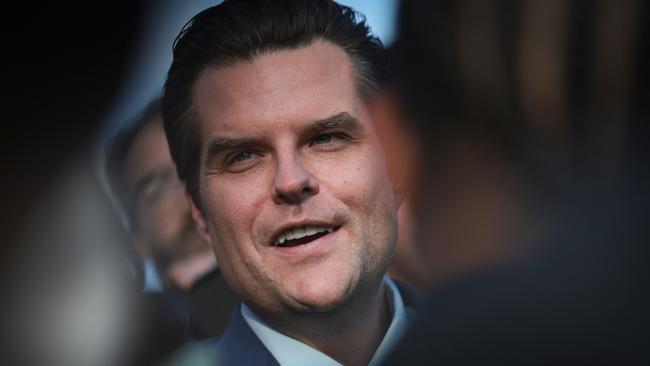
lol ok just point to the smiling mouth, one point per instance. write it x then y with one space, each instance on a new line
301 236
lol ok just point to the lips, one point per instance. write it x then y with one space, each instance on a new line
299 234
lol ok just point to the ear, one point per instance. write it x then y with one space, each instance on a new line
199 220
398 142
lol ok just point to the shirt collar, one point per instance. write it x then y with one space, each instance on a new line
291 352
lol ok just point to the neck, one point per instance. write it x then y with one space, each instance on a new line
351 334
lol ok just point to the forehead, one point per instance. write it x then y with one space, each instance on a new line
285 86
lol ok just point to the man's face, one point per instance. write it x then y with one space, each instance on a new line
288 150
162 214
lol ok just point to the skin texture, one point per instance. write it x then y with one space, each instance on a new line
289 172
163 226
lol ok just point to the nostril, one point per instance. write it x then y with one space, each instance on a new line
298 193
293 183
306 191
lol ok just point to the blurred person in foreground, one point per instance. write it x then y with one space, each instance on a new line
529 121
143 179
69 278
408 265
266 113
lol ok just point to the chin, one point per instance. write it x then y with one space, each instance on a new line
322 295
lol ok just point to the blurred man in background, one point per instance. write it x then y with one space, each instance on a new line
143 178
530 184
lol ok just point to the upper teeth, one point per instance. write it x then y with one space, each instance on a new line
300 232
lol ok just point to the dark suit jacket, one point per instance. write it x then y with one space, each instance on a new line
240 346
210 302
581 300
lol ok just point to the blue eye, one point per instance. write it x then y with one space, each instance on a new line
240 161
323 139
242 156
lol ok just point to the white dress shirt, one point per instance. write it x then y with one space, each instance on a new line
291 352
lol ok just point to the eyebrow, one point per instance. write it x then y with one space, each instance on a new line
217 145
343 121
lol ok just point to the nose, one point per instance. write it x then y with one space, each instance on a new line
292 182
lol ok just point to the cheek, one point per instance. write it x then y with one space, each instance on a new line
229 212
361 183
364 182
376 205
232 208
228 219
356 165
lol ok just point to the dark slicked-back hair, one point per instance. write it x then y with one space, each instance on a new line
243 30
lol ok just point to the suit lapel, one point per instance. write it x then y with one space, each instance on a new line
240 346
